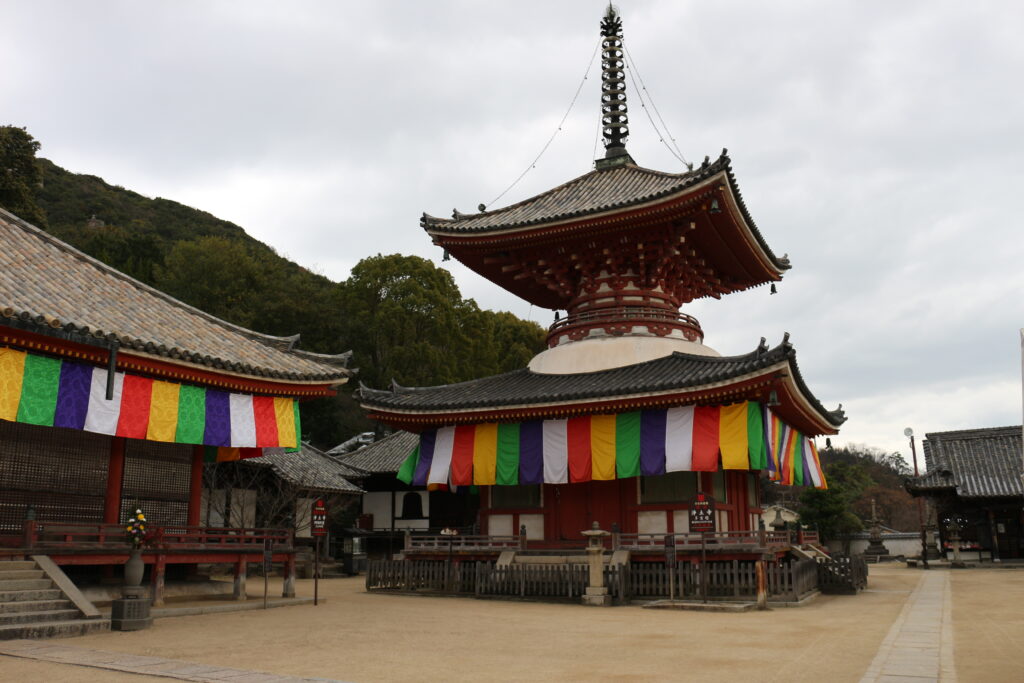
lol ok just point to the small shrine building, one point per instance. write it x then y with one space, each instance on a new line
628 414
975 483
114 394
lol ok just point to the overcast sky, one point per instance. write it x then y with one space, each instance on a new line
879 144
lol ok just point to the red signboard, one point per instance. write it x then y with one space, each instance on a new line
318 519
702 514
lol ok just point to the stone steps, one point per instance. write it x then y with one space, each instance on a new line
18 596
36 617
25 585
33 605
16 565
21 574
54 629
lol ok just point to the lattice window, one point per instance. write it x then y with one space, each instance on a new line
156 479
62 473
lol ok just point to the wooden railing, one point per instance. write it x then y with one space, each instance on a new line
460 544
113 536
717 540
811 537
721 540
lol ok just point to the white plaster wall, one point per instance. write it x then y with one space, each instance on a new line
534 526
413 523
500 525
681 521
722 520
378 504
769 515
652 522
303 515
243 508
601 353
907 547
211 513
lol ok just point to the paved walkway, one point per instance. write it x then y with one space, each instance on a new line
919 646
49 651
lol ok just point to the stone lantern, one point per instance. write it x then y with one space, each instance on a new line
597 592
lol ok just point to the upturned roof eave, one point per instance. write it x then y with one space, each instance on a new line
442 230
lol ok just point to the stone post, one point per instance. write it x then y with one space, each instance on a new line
954 540
288 589
239 587
597 592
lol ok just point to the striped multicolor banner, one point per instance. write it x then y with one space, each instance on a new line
52 392
602 447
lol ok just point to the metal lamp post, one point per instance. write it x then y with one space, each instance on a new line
909 433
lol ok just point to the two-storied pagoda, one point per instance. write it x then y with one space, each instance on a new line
627 414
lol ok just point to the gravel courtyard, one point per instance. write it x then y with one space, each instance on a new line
355 636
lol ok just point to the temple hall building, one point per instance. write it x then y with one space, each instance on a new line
114 395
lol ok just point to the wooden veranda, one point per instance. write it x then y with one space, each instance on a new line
78 544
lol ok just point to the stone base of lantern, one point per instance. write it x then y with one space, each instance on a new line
597 597
132 612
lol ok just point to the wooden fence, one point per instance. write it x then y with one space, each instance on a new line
843 575
729 580
552 581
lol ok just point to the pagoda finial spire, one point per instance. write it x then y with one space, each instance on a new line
614 120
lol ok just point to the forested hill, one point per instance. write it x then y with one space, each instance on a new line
403 317
70 199
192 255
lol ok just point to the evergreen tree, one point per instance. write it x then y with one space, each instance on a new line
20 177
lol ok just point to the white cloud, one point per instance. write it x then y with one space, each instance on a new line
879 146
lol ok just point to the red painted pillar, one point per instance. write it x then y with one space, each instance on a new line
115 479
195 489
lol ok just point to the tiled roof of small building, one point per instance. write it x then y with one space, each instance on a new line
308 469
51 287
592 193
385 455
977 463
524 387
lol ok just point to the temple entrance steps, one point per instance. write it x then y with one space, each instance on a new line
810 552
37 600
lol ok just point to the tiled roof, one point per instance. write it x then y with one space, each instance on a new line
51 287
977 463
385 455
309 469
523 387
596 192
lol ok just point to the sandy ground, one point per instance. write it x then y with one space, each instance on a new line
988 616
355 636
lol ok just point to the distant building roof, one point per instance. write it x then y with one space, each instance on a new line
49 287
383 456
308 469
972 463
349 445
